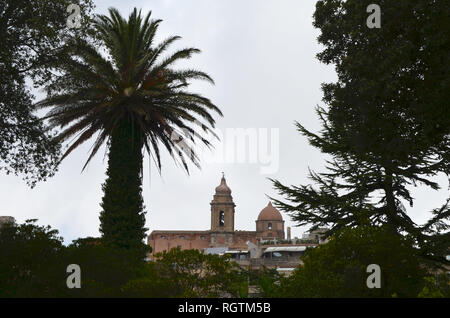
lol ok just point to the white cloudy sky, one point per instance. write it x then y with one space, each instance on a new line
261 53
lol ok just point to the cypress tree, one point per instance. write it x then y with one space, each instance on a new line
122 219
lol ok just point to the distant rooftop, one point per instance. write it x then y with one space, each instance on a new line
216 250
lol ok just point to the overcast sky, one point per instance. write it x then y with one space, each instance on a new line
261 54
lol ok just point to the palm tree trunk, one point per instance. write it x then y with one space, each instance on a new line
122 219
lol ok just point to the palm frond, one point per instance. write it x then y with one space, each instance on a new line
134 82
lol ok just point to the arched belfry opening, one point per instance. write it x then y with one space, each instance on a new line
222 208
222 218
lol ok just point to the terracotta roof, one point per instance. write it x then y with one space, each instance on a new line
270 213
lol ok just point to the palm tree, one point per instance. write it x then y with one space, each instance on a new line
130 98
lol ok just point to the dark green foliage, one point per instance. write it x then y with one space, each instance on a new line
104 270
29 255
32 34
152 283
338 268
387 122
437 286
189 273
268 281
122 220
33 263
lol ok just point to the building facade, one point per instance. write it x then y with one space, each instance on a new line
222 233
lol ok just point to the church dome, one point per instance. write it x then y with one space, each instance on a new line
270 213
223 187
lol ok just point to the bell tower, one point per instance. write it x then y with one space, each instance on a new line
222 209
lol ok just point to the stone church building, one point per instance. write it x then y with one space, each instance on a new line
269 225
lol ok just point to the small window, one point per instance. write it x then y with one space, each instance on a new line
269 226
203 237
163 237
222 218
181 237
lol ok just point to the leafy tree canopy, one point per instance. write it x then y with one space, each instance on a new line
33 263
339 267
190 273
28 256
33 33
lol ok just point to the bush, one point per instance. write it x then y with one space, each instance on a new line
189 273
338 268
30 261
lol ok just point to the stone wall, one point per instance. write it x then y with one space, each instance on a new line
6 219
166 240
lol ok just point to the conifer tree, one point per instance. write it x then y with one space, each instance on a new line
386 124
